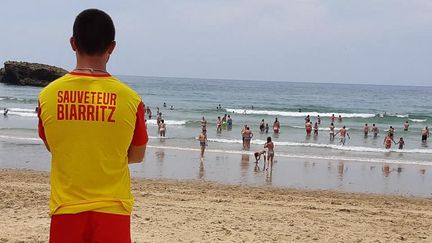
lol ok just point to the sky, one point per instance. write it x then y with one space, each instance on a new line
335 41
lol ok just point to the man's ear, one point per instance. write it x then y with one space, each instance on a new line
111 47
72 43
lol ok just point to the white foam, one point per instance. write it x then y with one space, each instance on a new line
321 128
168 122
299 114
320 145
418 120
13 138
332 158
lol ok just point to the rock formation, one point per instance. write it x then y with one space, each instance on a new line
34 74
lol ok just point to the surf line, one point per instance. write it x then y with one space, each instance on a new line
332 158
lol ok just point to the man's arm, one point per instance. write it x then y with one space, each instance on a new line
137 148
136 153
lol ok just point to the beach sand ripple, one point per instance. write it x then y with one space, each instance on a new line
196 211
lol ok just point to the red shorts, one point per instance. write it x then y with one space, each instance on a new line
90 227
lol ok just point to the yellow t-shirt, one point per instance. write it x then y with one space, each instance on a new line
89 121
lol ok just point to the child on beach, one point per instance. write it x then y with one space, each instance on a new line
91 197
258 156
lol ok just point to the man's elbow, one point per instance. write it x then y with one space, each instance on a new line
136 154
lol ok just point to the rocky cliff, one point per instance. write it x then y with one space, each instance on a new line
34 74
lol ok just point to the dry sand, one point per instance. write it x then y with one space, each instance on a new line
193 211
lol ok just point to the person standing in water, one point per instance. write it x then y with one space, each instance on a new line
366 130
202 138
262 126
266 128
276 126
218 125
149 113
229 121
340 118
343 133
315 127
162 128
332 132
388 141
391 132
243 135
203 124
247 137
425 134
401 143
308 127
406 125
319 120
375 130
270 153
332 118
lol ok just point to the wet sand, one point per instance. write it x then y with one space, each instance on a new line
197 211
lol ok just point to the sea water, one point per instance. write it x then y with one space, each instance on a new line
248 102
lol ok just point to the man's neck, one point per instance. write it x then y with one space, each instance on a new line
96 62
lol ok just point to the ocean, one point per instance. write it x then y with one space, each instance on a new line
248 102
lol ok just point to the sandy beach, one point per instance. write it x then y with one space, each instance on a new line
196 211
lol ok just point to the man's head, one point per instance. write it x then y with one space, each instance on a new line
93 33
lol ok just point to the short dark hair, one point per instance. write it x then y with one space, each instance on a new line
93 31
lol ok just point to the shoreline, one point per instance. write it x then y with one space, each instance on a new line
169 210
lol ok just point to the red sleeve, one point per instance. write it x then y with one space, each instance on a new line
41 129
140 136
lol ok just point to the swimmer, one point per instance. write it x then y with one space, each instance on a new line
401 143
162 128
387 141
229 121
343 133
203 124
262 126
332 133
425 134
391 132
5 111
266 128
308 127
319 120
172 108
366 130
340 118
276 126
315 127
375 130
406 125
270 153
333 118
164 105
219 125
